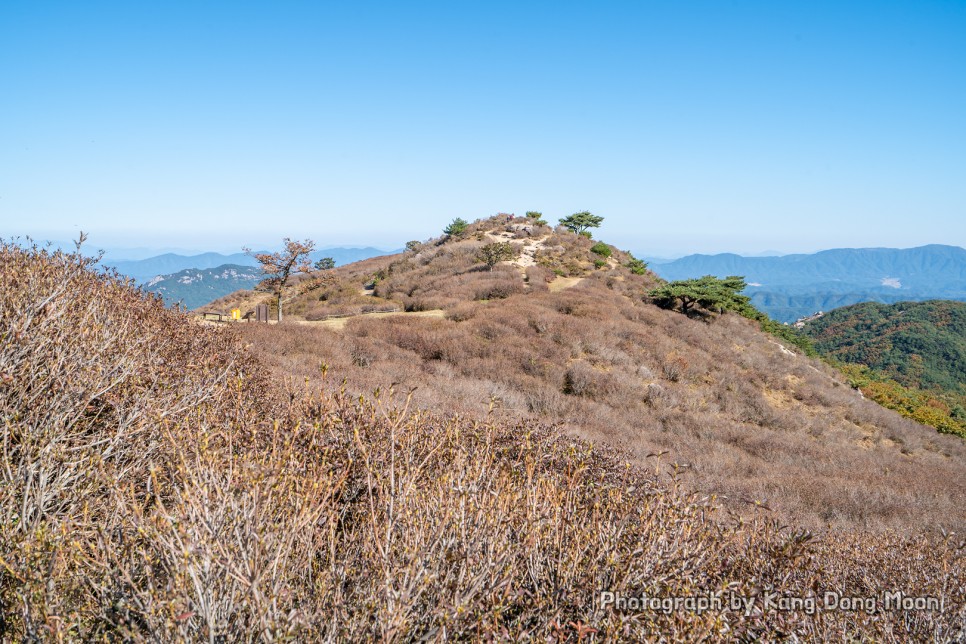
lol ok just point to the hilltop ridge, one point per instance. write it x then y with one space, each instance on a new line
738 413
160 483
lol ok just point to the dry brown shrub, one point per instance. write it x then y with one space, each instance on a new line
499 289
102 389
582 379
654 393
674 366
462 312
538 277
155 488
830 436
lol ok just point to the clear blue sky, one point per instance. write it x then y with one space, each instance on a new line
690 126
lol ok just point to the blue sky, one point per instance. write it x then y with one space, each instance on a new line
690 126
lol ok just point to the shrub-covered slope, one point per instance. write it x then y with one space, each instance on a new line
737 412
156 488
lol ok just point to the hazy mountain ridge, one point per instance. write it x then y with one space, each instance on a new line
858 264
144 270
791 286
788 306
195 280
194 287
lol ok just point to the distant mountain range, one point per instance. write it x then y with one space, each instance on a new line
793 286
194 280
194 287
143 270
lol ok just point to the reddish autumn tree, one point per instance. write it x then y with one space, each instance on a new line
278 266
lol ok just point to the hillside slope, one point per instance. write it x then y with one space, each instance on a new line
158 486
728 408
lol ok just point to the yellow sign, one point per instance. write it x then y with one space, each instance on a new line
236 314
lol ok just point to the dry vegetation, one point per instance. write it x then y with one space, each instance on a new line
746 419
439 274
155 486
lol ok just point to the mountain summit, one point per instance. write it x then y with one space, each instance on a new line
170 481
563 331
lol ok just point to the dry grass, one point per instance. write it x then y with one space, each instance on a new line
747 421
340 323
562 283
156 488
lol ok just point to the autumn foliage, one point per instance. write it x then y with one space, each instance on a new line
278 266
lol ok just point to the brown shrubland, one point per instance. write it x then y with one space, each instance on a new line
746 419
160 483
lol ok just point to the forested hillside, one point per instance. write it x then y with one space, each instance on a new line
909 356
919 344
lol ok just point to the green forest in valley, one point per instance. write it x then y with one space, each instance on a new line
909 356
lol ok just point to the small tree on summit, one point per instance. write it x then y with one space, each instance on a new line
581 221
456 228
294 257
